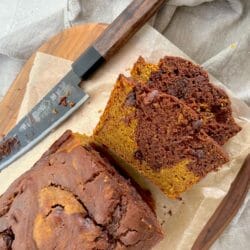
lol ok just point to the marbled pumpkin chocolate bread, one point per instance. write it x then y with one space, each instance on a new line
190 83
74 199
158 135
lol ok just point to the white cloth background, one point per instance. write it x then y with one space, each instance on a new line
215 33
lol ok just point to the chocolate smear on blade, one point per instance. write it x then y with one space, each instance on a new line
7 146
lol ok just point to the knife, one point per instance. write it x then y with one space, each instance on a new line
66 97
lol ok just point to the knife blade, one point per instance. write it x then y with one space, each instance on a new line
44 117
66 97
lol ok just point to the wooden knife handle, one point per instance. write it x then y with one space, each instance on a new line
226 210
115 36
125 26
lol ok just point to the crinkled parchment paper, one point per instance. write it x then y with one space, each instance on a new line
197 205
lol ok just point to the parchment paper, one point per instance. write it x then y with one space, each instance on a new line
181 220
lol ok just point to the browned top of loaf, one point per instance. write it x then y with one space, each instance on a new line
190 83
74 199
169 131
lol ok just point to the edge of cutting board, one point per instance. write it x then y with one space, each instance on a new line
69 44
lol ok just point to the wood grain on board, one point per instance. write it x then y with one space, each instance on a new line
69 44
226 210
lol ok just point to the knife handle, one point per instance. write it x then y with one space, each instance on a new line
125 26
116 35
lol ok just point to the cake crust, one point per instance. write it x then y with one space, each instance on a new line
74 198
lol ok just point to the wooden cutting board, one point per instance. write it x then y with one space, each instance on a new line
69 44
